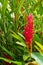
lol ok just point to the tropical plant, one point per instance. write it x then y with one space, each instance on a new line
13 18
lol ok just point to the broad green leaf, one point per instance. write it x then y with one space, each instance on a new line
37 57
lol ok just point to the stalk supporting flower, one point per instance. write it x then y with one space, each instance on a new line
29 31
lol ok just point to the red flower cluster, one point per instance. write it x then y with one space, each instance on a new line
29 30
8 57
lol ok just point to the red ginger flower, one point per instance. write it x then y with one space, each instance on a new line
29 30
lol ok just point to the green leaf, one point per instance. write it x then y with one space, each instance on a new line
9 52
25 57
37 57
17 36
4 6
39 45
40 51
20 35
21 43
11 61
20 5
36 38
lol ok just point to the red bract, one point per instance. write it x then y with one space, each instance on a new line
29 30
8 57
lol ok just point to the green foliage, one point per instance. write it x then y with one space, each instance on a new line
13 17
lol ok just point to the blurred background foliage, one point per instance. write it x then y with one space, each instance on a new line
13 17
